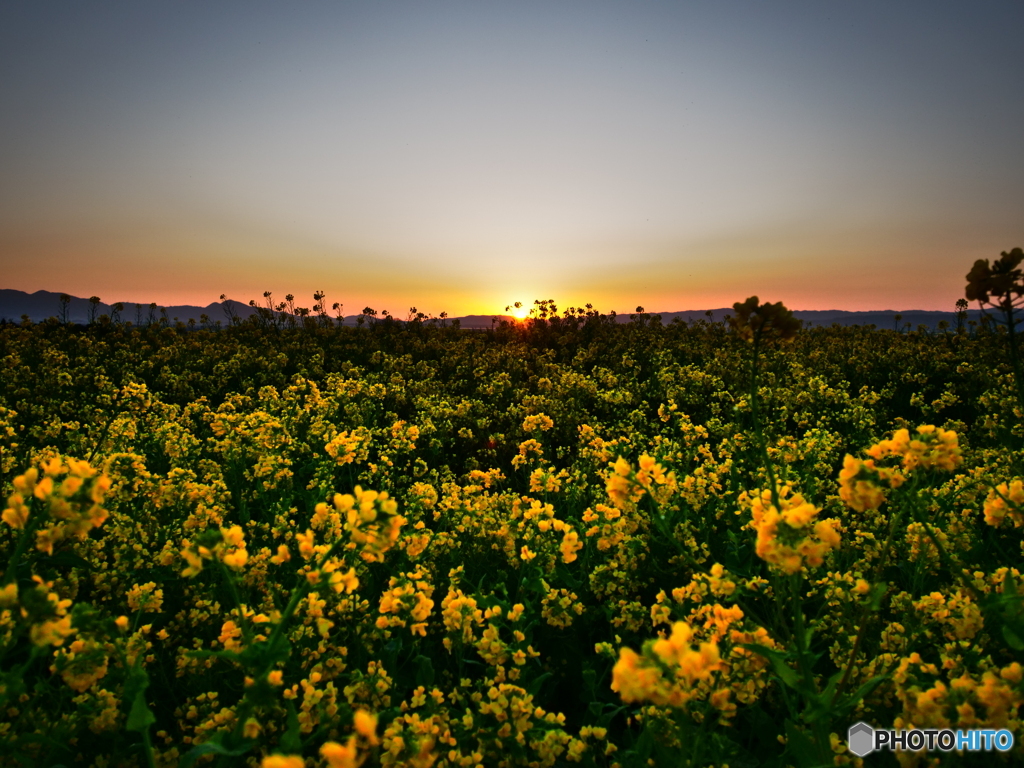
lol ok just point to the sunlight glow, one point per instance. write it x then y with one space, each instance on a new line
518 310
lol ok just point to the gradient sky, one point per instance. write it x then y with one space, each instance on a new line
461 156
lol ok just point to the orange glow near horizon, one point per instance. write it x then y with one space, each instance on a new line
680 156
518 310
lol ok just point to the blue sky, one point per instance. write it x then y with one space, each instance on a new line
460 156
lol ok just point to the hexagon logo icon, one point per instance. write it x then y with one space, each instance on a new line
860 739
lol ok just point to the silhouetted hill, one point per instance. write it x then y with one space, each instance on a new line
41 305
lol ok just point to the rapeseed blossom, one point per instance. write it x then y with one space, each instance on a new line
863 485
667 670
70 495
931 448
792 537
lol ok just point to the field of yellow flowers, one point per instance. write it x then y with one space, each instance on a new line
566 541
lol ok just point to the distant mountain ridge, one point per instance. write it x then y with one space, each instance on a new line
41 305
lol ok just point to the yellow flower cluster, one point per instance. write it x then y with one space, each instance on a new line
560 606
1005 500
862 484
931 448
70 493
625 486
991 699
146 597
225 544
667 670
45 610
407 597
372 521
349 447
792 537
82 664
539 422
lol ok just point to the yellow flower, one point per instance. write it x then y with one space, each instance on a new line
52 632
8 595
343 582
365 724
570 545
145 597
16 515
667 671
340 756
229 635
1005 499
931 448
283 761
792 538
536 422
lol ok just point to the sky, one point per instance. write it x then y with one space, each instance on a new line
461 156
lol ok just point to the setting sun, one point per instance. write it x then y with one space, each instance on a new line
518 310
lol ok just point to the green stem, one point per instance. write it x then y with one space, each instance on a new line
103 435
755 413
820 726
863 617
229 577
698 743
147 748
947 561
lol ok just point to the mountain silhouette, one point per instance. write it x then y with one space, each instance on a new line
38 306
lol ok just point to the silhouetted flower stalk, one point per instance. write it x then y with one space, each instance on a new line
757 324
65 302
961 315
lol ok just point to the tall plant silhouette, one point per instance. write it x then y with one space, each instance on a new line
1000 286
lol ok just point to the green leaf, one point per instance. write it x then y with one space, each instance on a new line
877 595
800 747
140 717
534 688
849 702
764 728
1009 584
291 739
1012 639
70 560
778 661
424 671
644 746
610 713
213 747
590 681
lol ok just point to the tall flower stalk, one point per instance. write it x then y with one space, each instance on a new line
758 324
